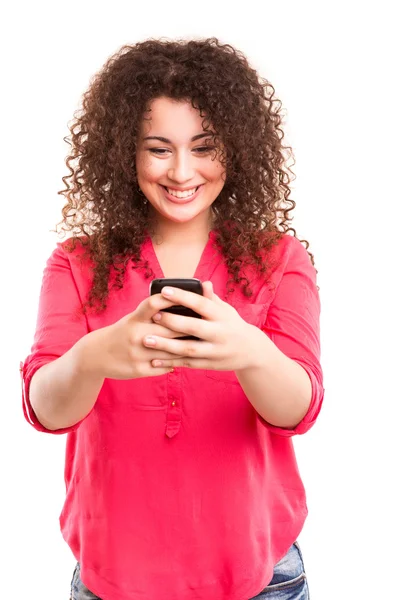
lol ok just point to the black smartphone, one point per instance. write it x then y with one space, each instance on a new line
191 285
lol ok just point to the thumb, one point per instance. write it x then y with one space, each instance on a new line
146 310
208 290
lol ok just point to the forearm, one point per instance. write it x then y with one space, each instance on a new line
65 390
277 386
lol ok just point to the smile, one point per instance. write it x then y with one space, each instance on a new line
178 197
184 194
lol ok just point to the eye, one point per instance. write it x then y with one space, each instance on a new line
204 149
159 151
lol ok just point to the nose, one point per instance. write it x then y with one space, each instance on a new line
181 168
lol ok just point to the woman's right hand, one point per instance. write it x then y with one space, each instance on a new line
117 351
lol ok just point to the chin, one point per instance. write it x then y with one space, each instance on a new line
180 218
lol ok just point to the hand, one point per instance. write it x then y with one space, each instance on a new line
118 352
226 341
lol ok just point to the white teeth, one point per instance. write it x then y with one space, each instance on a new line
185 194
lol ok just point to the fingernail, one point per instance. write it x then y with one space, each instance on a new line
157 317
167 291
150 340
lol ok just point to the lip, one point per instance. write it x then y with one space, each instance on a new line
177 189
176 200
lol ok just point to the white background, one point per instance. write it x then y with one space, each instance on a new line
333 66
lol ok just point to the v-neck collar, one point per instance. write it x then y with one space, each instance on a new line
209 259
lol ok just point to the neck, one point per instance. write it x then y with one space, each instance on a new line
192 232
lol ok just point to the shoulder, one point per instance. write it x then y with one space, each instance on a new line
74 245
70 255
72 249
288 249
286 244
287 257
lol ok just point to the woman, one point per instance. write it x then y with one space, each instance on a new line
181 479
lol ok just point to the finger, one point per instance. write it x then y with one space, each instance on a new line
207 289
210 292
186 348
217 299
150 306
154 354
200 328
153 372
163 330
200 304
184 361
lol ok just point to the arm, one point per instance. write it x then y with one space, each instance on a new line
64 391
284 381
57 368
278 387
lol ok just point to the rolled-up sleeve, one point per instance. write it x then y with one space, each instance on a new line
293 324
60 324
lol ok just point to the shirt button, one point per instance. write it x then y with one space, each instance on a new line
173 403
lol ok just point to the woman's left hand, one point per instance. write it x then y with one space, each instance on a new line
226 342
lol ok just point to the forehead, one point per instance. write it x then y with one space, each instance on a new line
173 119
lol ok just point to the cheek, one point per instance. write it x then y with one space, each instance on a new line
215 171
148 170
217 174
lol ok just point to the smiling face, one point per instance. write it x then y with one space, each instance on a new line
177 172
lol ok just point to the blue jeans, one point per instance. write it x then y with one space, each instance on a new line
288 583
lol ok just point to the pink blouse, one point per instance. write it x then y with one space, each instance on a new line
175 485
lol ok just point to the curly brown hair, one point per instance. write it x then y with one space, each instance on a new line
104 207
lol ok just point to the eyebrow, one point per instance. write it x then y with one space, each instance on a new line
167 141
